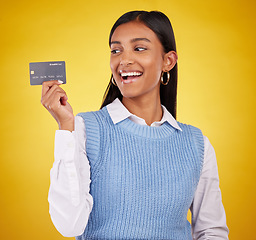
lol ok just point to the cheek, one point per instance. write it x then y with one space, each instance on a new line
153 69
154 62
114 63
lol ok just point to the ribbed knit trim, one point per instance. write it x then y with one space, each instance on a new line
199 143
160 132
93 138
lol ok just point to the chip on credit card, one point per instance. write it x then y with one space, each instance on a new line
47 71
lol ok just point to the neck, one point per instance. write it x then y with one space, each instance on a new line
148 109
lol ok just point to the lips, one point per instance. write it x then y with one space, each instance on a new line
130 76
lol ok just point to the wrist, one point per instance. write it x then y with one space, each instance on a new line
67 125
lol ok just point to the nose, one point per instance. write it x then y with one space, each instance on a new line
126 59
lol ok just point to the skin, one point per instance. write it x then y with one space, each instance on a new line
134 48
54 99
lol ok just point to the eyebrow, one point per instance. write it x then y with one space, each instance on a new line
133 40
140 39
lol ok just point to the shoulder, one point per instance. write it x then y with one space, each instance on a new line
198 131
195 136
203 142
85 115
186 128
193 131
93 120
92 116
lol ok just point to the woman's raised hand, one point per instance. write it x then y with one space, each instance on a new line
54 99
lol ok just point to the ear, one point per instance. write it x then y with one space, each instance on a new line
170 60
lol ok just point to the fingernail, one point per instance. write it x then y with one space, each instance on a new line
59 81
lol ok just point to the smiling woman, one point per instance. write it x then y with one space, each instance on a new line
161 28
137 61
130 170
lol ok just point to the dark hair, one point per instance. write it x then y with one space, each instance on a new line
161 26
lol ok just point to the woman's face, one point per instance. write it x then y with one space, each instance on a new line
137 60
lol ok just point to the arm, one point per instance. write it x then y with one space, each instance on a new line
69 199
208 214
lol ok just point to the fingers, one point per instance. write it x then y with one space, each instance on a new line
54 97
53 102
48 84
64 100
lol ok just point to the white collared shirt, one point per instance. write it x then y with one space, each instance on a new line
70 200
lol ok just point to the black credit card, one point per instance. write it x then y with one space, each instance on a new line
46 71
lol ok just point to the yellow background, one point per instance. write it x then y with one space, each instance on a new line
216 92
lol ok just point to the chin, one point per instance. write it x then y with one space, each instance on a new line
131 94
126 94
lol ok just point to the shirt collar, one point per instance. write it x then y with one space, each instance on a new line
118 112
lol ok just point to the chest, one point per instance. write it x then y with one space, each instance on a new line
137 172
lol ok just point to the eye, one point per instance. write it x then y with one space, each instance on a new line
140 49
115 51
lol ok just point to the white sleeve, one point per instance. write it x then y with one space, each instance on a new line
70 202
208 214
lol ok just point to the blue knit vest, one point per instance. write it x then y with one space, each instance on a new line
143 179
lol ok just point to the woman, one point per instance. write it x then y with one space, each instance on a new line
130 170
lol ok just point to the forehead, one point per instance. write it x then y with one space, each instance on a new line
131 30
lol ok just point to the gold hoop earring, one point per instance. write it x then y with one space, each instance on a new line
162 78
113 81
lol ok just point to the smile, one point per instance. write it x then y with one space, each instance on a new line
129 77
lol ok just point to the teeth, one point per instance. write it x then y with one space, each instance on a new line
128 74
